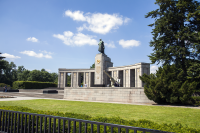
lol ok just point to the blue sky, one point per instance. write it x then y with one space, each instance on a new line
53 34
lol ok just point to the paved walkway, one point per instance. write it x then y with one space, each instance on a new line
31 98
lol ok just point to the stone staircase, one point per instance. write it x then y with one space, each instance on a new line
36 93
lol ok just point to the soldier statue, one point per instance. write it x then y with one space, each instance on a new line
101 47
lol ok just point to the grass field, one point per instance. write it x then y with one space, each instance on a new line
158 114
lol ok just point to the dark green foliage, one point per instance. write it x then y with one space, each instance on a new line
93 66
3 85
176 41
177 30
32 85
69 80
177 127
22 74
2 66
168 86
9 73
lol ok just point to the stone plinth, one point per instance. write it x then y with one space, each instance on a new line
102 62
108 94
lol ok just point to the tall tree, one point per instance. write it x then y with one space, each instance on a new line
176 33
177 27
2 66
9 73
54 77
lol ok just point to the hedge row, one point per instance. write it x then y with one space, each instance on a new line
178 128
3 85
32 85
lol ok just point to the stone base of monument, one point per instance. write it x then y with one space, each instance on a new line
50 91
108 94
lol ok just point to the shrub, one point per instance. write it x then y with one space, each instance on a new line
169 85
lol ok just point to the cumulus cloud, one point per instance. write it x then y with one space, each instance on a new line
78 39
128 43
10 56
110 44
38 55
153 69
32 39
97 22
45 52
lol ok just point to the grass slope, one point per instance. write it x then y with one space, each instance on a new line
159 114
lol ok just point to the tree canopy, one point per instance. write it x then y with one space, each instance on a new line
176 33
176 42
93 66
11 74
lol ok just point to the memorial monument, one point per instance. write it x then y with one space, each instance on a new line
103 74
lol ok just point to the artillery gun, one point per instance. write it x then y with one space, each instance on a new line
112 79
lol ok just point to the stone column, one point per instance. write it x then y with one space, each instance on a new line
72 77
58 79
124 78
77 79
61 80
64 84
129 78
141 72
136 77
89 78
66 79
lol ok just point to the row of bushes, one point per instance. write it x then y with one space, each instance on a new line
115 120
3 85
32 85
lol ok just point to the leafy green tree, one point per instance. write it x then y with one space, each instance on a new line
42 76
2 66
22 73
46 76
93 66
9 73
35 75
54 77
69 80
176 32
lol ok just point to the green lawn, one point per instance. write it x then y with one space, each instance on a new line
158 114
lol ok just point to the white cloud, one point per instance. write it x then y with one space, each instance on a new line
45 52
78 39
32 39
38 55
48 70
110 45
97 22
76 15
79 29
153 69
129 43
126 20
10 56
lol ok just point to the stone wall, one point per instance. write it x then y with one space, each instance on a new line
107 94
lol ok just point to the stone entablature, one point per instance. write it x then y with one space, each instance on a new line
129 75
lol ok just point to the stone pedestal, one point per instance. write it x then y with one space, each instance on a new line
102 62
